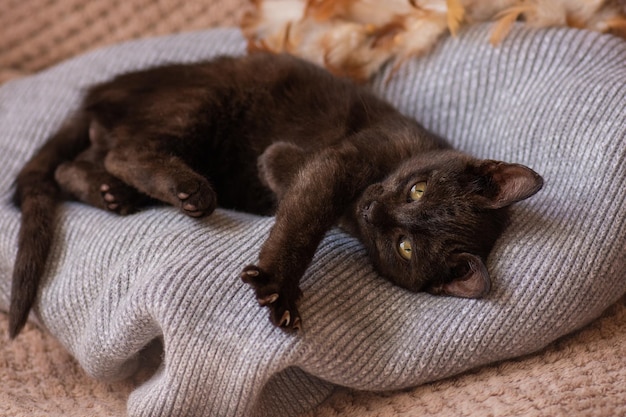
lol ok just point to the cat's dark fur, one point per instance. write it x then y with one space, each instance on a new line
267 133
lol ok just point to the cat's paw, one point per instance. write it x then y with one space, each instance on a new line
280 300
120 198
196 197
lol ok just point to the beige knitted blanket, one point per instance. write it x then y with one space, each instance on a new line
35 34
581 374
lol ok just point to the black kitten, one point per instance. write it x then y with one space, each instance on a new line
267 133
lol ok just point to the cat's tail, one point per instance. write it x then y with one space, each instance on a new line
37 194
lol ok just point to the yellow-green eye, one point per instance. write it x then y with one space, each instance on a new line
417 191
404 248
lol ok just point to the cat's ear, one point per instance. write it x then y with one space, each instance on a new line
472 281
508 183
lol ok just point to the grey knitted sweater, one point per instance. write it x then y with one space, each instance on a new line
554 100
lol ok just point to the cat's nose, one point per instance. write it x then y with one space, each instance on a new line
367 211
375 213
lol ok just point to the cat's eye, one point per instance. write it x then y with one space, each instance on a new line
404 248
417 190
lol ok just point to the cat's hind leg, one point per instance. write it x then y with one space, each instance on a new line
162 176
91 184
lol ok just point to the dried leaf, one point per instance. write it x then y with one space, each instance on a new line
505 22
328 9
455 15
617 26
356 38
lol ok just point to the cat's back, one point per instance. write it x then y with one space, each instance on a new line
273 82
307 100
276 73
257 98
291 84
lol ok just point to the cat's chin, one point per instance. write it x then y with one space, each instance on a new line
350 221
362 223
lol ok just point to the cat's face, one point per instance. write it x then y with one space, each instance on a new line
434 220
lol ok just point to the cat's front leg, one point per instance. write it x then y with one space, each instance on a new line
326 185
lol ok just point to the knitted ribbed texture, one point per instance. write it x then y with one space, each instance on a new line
553 100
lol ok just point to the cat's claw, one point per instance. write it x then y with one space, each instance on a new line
284 321
270 299
297 324
279 300
249 273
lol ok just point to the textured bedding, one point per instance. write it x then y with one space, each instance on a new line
553 100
